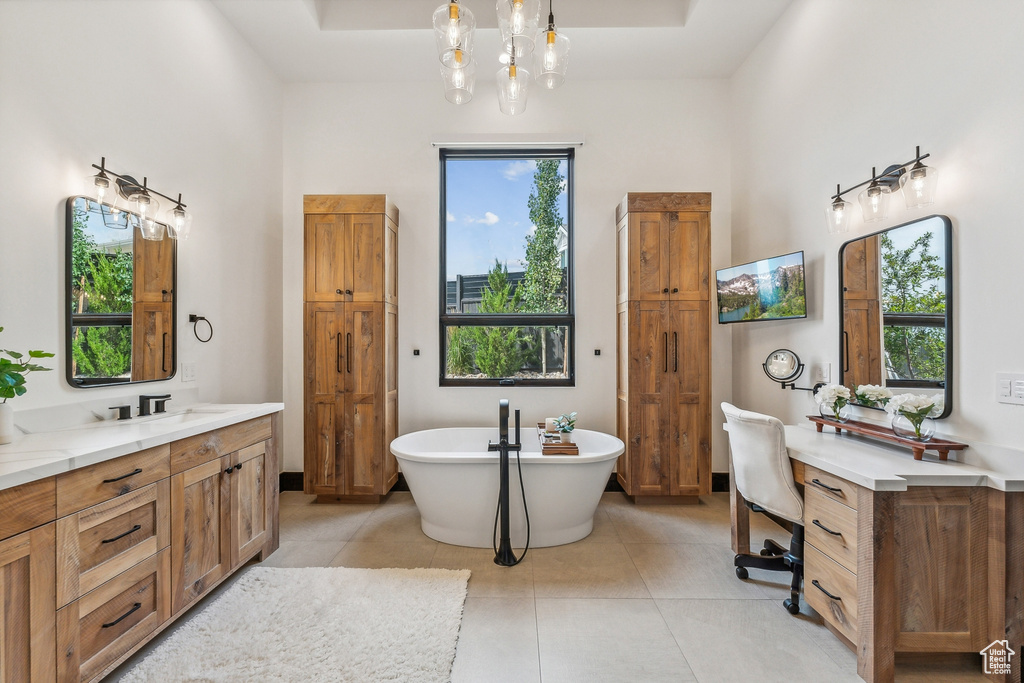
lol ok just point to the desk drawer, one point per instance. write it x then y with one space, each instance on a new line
100 542
88 486
831 527
823 578
831 486
101 626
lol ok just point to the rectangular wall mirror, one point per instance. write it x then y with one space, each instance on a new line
120 298
895 292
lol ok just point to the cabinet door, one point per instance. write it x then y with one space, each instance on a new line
152 338
200 529
690 369
622 467
327 257
366 246
689 244
649 397
390 394
27 606
364 384
325 366
153 276
248 503
648 256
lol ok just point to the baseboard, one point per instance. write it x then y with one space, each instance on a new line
614 485
719 482
292 481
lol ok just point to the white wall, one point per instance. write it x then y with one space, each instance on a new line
838 87
165 89
640 136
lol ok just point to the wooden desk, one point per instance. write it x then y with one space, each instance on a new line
937 549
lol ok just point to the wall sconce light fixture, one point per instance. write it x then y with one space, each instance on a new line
141 200
917 183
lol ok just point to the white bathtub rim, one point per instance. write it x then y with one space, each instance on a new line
403 447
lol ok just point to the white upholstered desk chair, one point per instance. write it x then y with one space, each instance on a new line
764 477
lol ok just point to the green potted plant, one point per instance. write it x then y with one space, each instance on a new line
565 423
12 383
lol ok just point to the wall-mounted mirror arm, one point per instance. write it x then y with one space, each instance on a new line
784 366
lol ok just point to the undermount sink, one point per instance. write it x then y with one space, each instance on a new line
180 418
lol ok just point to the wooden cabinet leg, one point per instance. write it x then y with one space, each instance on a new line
876 586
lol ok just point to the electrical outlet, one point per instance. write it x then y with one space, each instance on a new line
822 372
188 372
1010 387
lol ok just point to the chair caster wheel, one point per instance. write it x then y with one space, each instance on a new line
742 573
765 552
791 607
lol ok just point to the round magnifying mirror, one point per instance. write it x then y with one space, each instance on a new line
783 365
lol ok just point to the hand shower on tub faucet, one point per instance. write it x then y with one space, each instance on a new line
503 554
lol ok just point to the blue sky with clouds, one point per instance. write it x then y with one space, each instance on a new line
488 216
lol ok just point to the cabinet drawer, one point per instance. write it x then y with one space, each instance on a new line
101 626
202 448
100 542
27 506
831 527
88 486
831 486
824 577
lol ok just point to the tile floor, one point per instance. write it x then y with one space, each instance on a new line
650 595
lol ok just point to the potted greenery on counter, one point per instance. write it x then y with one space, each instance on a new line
12 383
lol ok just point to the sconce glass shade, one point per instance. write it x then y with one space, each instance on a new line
113 218
874 202
838 215
459 81
518 20
552 58
918 185
513 84
101 187
180 225
151 230
454 28
146 205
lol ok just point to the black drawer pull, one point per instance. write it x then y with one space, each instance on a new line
826 486
238 466
118 538
124 616
229 470
138 470
825 528
832 597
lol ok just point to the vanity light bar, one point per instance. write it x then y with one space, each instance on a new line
890 176
132 183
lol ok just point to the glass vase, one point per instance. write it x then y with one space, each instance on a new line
827 412
909 428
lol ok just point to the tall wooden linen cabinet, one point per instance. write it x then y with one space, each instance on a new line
351 346
664 346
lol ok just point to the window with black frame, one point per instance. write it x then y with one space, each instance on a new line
506 296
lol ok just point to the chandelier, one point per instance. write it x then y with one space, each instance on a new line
521 40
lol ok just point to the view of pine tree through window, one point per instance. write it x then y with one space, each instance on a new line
506 303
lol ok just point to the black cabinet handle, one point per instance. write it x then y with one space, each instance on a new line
675 289
338 291
138 470
337 362
117 538
229 470
666 352
238 466
124 616
163 354
349 292
846 351
675 352
818 586
348 352
824 528
826 486
665 291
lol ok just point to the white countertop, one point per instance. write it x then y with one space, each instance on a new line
39 455
880 466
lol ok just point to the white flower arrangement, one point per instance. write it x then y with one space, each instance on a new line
872 395
914 407
835 396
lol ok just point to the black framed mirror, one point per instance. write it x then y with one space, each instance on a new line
120 297
896 298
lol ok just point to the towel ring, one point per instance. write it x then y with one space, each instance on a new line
195 320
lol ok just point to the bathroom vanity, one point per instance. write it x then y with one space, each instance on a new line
111 530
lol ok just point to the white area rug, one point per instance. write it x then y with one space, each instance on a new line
319 624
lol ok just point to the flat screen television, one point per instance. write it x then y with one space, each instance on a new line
769 289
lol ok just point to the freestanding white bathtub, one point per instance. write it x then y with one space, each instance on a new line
454 481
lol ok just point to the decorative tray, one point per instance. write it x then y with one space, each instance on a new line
941 446
551 445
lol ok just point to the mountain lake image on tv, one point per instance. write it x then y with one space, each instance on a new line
769 289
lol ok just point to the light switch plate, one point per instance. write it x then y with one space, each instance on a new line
822 372
188 372
1010 387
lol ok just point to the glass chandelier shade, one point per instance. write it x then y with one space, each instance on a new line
838 215
459 80
146 205
918 185
454 28
552 58
518 21
180 225
513 84
101 186
151 229
874 201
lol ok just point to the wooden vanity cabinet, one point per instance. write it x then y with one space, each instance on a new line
27 621
664 355
351 360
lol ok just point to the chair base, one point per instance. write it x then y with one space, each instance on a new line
775 558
